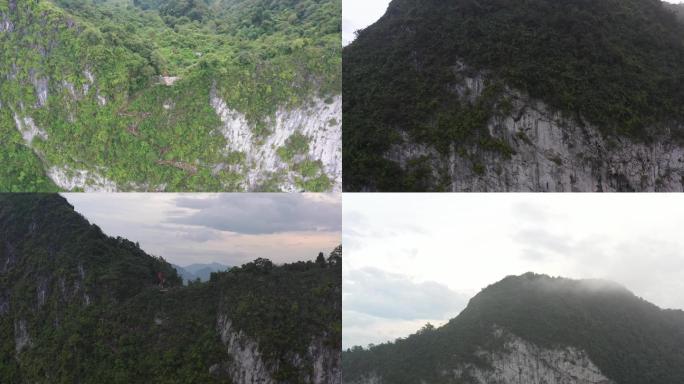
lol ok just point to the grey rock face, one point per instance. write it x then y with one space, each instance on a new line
42 291
21 335
520 362
321 122
326 364
248 366
552 153
6 24
524 362
41 85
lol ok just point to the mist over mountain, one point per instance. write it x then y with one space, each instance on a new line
497 95
535 328
79 306
678 10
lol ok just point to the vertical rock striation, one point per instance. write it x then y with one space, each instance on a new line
550 153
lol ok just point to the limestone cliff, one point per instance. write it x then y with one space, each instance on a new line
519 362
534 329
523 362
247 365
549 153
91 104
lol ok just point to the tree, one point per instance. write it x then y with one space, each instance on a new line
335 257
320 260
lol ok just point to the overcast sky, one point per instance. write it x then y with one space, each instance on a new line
230 228
358 14
410 259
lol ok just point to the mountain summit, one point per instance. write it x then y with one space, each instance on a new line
79 306
536 329
498 95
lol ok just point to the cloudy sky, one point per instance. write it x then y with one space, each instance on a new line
358 14
228 228
410 259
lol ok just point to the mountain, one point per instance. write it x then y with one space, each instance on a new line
199 271
536 329
200 95
79 306
185 275
497 95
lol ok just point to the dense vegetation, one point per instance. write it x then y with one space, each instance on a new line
616 64
94 313
629 339
678 10
258 56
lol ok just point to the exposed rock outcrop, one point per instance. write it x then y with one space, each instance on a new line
21 335
249 366
523 362
319 121
551 153
326 363
80 179
28 129
246 365
6 24
520 362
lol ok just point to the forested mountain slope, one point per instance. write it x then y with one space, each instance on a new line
533 329
79 306
497 95
678 10
176 95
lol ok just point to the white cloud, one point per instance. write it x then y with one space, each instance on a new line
358 14
467 241
228 228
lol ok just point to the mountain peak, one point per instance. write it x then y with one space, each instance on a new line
432 81
543 320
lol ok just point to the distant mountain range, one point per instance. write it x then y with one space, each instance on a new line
202 272
535 329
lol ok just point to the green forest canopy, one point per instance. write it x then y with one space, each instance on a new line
259 55
616 64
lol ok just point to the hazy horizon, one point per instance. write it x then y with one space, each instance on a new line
231 229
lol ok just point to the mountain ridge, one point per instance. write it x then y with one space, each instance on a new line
532 321
78 305
496 96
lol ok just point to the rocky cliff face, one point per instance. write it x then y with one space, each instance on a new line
521 362
248 365
551 153
319 121
51 98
